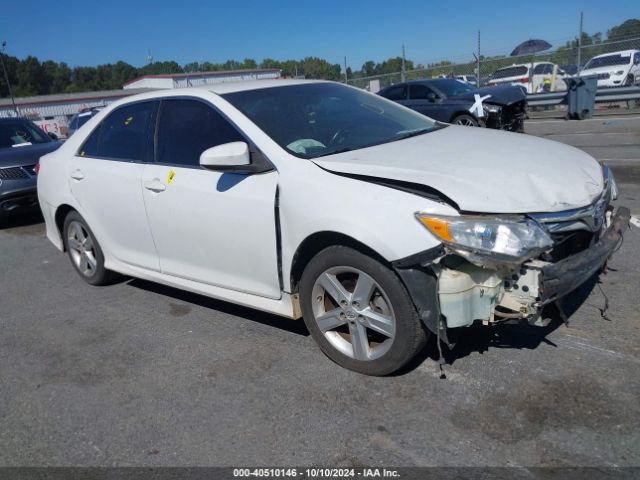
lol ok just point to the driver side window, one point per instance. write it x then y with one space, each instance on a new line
418 91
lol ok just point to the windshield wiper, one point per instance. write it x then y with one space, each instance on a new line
332 152
413 133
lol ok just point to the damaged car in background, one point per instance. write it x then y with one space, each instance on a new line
375 224
453 101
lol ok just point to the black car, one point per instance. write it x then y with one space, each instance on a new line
22 144
452 101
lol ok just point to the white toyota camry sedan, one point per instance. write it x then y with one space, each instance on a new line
377 225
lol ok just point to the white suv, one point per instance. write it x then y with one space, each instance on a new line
376 224
531 77
615 69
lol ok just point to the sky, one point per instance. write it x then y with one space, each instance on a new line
91 33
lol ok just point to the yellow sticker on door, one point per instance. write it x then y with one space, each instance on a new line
170 176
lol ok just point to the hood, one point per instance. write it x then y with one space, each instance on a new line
503 95
604 69
482 170
27 155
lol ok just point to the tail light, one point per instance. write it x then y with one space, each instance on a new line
524 80
36 169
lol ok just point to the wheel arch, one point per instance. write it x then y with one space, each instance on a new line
317 242
458 113
61 213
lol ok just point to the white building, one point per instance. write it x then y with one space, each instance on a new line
183 80
53 112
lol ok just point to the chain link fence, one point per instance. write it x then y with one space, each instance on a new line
536 73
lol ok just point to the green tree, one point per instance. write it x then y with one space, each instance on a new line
628 29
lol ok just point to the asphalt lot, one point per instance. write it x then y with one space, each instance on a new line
140 374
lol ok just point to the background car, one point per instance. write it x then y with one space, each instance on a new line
80 119
534 77
470 79
22 144
453 101
615 69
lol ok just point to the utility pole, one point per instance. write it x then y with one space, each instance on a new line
579 45
478 63
346 76
403 72
6 78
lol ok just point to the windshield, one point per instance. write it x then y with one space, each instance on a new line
18 133
510 72
608 61
451 87
317 119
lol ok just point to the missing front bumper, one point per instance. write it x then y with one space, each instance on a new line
559 279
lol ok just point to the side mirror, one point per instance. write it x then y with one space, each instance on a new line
235 157
52 136
232 156
432 97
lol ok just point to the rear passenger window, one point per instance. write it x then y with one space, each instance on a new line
189 127
123 135
396 93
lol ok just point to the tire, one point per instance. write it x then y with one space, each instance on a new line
84 251
629 81
465 120
376 308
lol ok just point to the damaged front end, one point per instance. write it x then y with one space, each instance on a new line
508 268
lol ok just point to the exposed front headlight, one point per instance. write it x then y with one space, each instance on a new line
619 72
488 107
511 239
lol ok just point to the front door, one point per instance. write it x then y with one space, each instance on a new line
208 226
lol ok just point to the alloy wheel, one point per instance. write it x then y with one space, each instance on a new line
81 249
353 313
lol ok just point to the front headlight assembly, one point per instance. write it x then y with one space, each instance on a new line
485 240
490 108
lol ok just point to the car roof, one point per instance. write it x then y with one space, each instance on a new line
231 87
524 65
13 119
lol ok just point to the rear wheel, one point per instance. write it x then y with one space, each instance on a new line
465 121
359 312
84 251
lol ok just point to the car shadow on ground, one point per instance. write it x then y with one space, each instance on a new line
471 340
478 339
17 221
293 326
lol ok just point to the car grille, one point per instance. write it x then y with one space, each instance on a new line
575 230
603 76
16 173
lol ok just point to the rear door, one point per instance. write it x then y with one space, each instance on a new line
105 178
209 226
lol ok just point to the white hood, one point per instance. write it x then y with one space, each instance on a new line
483 170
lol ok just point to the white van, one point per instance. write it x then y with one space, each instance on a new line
520 75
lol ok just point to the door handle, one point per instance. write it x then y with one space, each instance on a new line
77 175
155 185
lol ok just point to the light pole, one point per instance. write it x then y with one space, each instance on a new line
6 78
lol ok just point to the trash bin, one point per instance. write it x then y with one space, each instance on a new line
581 96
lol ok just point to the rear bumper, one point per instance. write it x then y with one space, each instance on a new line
561 278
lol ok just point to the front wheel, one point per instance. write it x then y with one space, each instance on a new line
465 120
359 312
